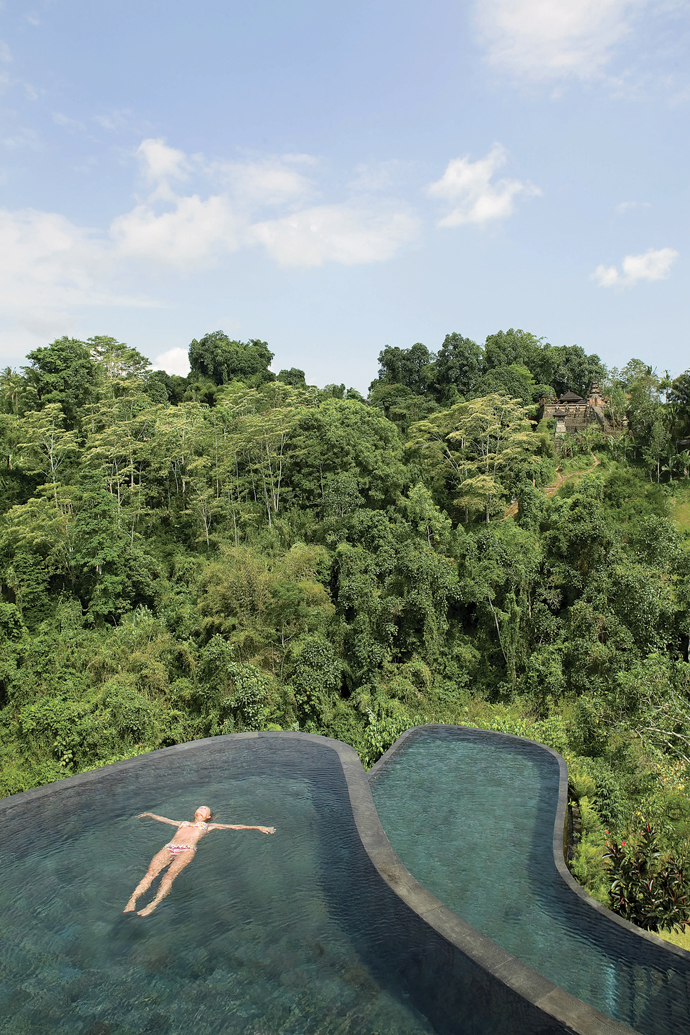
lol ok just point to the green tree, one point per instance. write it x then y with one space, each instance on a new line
121 369
514 380
400 405
458 368
16 394
468 450
63 372
343 437
513 346
222 360
293 376
567 368
45 444
412 368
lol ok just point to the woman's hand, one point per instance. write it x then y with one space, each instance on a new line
267 830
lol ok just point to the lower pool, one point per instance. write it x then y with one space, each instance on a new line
260 935
471 815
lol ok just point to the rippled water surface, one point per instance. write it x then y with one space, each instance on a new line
254 937
473 822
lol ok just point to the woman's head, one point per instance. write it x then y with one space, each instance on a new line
203 813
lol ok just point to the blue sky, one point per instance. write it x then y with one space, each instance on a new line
335 178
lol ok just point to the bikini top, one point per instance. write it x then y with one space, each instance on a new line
200 823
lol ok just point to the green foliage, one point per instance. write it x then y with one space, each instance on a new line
186 557
458 368
648 888
412 368
589 864
64 374
345 438
293 376
380 734
221 360
514 380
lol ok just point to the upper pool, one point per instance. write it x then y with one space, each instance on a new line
471 815
259 936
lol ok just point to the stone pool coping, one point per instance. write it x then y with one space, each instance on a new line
555 1009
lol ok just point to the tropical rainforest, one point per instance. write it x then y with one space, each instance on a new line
239 550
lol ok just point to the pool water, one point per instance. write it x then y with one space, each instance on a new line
260 935
472 817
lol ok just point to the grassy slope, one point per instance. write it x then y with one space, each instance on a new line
680 506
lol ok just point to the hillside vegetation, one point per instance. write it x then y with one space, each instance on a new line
186 557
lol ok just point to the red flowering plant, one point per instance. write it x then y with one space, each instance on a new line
648 887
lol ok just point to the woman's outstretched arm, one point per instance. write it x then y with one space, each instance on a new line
161 819
240 826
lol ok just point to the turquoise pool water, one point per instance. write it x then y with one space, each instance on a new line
472 818
260 935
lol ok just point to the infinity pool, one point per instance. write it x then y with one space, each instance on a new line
471 815
260 935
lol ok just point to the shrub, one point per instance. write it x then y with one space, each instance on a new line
648 887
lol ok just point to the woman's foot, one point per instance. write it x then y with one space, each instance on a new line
131 906
147 910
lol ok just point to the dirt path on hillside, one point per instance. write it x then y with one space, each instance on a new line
551 490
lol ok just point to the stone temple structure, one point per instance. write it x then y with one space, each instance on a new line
573 413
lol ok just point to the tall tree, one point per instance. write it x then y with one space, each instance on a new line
45 444
120 367
342 437
65 373
413 368
469 450
221 360
458 367
514 380
511 346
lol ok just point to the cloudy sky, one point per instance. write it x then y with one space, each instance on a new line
333 178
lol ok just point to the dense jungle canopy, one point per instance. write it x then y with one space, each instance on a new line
235 550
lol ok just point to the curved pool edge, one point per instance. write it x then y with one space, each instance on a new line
457 976
559 828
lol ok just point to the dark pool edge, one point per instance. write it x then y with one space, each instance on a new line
571 1015
559 828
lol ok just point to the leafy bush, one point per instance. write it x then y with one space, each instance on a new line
648 887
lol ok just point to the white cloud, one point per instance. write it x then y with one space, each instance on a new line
50 267
344 233
270 181
161 163
187 230
173 361
606 275
47 264
189 234
474 198
552 39
652 265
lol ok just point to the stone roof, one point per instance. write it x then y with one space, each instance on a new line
571 397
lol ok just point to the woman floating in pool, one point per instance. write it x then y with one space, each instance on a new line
178 853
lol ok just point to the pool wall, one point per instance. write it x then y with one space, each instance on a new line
462 981
616 936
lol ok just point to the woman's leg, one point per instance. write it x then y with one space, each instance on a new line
158 863
178 864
